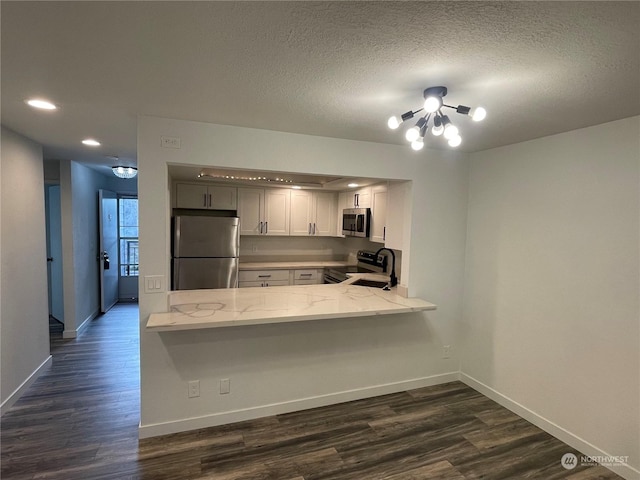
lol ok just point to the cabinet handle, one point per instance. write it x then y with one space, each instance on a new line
314 228
384 233
209 200
264 276
204 199
261 228
266 228
306 274
309 229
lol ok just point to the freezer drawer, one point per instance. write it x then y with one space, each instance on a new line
196 273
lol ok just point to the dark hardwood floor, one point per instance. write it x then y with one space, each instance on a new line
80 421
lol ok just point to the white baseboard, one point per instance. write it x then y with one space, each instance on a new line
17 393
153 430
85 323
624 470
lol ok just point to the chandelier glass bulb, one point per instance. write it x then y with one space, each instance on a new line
478 114
437 131
412 134
417 144
450 131
455 141
393 122
432 104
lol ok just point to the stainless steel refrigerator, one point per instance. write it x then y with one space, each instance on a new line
205 252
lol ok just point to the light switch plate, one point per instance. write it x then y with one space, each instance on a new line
154 284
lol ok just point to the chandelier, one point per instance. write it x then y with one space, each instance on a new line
442 125
124 172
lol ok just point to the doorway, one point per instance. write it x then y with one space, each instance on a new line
53 225
128 248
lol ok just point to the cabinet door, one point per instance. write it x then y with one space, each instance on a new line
250 210
325 209
191 196
378 214
363 198
277 204
301 213
222 198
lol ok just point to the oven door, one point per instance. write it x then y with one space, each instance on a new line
328 278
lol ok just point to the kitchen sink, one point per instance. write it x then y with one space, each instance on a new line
370 283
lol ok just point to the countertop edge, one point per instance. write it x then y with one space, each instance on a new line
275 320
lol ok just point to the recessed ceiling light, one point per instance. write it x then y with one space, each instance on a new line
353 185
91 142
40 103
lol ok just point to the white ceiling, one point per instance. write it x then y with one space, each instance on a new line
336 69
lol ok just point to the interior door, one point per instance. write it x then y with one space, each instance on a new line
54 251
108 249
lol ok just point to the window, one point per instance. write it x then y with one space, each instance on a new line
128 235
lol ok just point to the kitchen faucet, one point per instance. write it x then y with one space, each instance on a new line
393 280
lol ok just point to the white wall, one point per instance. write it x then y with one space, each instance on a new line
24 319
551 287
287 366
79 187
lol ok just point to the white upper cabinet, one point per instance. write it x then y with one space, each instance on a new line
313 213
359 198
264 211
206 197
378 228
277 205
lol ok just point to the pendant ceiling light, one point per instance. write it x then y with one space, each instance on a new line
124 172
442 125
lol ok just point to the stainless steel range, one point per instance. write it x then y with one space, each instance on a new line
368 262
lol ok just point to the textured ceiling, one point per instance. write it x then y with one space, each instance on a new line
336 69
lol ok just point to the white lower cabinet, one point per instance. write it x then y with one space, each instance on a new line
306 277
263 278
279 278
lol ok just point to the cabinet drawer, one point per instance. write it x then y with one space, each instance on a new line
276 283
305 282
262 275
305 274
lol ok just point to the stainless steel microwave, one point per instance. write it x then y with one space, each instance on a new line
355 222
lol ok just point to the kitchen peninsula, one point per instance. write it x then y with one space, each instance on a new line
200 309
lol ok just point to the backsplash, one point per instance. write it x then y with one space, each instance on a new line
284 249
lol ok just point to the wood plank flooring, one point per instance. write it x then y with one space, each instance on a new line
80 421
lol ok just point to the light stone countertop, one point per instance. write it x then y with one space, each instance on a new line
291 265
199 309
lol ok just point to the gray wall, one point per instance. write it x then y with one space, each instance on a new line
24 316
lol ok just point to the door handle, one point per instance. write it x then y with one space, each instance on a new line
204 199
314 228
210 200
266 228
105 260
260 228
384 233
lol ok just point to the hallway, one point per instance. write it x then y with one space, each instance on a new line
80 418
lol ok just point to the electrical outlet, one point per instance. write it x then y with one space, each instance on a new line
446 351
225 386
194 388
